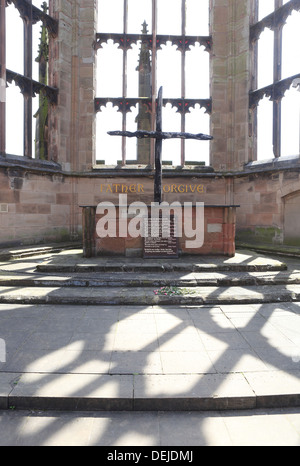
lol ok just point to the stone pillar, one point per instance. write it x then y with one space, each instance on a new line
144 119
72 70
230 78
87 84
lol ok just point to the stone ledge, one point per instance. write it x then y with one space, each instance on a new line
129 280
18 252
32 164
182 392
278 249
135 296
281 162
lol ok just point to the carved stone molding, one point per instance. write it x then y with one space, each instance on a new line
125 41
31 88
124 105
185 105
296 83
274 20
275 91
30 12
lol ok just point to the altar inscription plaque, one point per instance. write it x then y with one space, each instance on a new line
161 241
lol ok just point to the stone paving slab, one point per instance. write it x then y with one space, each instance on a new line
149 430
142 357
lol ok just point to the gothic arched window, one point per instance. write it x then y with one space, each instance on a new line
274 99
141 46
24 89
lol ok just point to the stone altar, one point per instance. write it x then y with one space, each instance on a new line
217 222
219 235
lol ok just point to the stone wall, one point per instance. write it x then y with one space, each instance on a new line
269 211
34 208
40 204
44 206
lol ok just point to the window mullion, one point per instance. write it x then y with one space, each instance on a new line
154 76
183 62
254 81
28 74
277 77
124 83
2 76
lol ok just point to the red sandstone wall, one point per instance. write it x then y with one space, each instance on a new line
263 216
38 207
45 207
34 208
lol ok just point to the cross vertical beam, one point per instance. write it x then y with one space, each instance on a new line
158 152
154 78
159 136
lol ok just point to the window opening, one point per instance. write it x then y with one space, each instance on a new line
274 37
25 30
140 49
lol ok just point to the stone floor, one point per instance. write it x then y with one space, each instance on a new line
145 357
169 431
219 372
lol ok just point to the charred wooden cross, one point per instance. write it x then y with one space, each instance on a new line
159 135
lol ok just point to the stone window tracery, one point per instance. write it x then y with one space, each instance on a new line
274 100
25 91
140 47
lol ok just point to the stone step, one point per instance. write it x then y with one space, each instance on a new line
156 266
130 280
278 249
140 392
149 296
7 254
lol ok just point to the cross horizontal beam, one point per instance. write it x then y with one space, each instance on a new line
160 135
